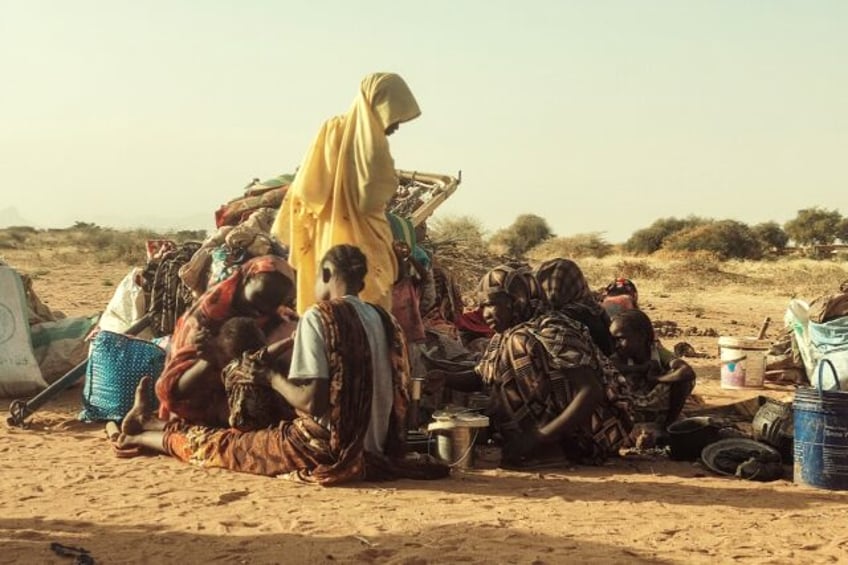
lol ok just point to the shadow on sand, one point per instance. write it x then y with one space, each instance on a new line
28 541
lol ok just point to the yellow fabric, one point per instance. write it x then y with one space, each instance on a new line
342 187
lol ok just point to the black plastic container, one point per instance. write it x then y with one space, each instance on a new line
688 437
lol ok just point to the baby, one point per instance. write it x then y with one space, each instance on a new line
247 376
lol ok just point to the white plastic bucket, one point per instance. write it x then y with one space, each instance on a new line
743 361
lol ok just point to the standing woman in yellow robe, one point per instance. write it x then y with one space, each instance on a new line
342 187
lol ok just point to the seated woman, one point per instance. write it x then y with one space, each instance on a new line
567 291
548 380
258 289
659 382
347 382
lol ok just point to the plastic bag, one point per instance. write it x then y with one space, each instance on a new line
116 365
19 372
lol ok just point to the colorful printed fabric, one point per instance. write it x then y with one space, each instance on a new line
236 211
563 283
405 310
209 313
253 404
527 368
566 290
305 447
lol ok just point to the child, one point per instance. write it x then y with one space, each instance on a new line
247 376
659 381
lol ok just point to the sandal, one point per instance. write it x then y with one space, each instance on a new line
113 432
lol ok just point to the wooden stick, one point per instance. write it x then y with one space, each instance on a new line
112 431
763 328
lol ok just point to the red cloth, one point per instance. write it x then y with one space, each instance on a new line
473 322
406 311
210 312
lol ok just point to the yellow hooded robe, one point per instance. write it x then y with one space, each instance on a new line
342 187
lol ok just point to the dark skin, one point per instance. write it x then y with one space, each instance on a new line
588 394
312 396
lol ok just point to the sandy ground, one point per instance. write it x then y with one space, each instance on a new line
60 483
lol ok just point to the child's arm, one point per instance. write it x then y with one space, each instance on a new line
680 371
274 350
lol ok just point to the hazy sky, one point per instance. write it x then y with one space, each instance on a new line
600 116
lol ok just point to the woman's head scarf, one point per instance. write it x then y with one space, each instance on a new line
217 303
518 283
623 286
563 283
342 187
389 98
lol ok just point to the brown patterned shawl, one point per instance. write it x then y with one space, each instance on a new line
304 446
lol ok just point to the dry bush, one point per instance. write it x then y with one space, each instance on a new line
88 241
108 245
635 269
726 238
572 247
16 237
466 263
795 277
527 231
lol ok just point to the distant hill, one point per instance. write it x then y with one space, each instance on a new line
10 217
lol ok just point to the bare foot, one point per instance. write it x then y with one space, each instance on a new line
124 441
139 414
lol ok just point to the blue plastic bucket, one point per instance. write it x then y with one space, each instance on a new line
821 435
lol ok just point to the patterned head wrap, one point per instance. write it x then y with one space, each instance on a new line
518 283
623 286
268 264
562 283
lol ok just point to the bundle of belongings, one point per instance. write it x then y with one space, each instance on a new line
37 345
818 333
